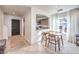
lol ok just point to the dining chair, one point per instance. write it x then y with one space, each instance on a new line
45 38
54 39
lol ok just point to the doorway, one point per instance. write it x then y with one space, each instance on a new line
15 27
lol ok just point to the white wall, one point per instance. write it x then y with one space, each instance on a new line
5 33
34 32
1 23
7 22
28 25
31 34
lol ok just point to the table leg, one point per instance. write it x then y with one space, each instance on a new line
58 43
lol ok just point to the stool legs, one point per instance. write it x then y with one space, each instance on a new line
59 45
62 40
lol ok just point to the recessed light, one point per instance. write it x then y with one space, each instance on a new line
13 13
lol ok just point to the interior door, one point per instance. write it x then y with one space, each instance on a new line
15 27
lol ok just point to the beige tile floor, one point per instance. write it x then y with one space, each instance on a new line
34 49
14 43
17 45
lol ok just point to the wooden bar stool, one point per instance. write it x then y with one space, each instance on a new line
54 39
44 37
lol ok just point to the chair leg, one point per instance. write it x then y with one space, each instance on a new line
58 44
42 40
55 44
62 40
46 42
55 47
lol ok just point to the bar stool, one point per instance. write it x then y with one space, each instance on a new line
45 37
54 39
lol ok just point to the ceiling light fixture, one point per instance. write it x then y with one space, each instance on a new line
13 13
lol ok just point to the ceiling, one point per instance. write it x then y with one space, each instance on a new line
18 10
51 9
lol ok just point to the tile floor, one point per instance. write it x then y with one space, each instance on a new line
17 45
14 43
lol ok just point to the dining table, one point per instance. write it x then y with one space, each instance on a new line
57 35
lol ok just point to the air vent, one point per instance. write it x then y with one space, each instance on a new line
59 10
